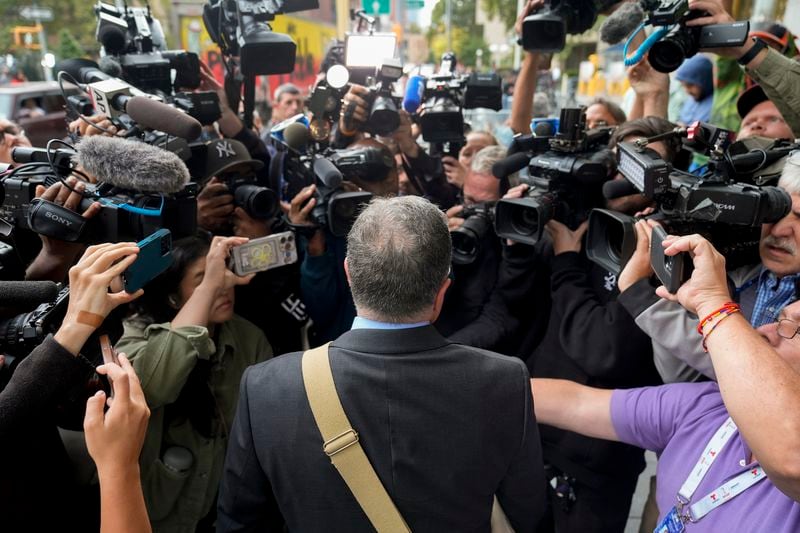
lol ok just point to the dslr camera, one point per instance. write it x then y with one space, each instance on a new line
727 212
469 237
566 174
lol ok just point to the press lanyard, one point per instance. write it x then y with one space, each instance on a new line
724 492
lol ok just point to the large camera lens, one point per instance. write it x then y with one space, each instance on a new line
343 208
383 119
669 53
774 204
468 238
611 239
523 219
259 202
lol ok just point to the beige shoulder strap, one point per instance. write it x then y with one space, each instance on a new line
342 446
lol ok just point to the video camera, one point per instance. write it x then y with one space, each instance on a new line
546 31
126 215
682 41
566 172
727 212
440 100
468 238
20 334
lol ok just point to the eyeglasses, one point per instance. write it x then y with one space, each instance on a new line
787 328
12 130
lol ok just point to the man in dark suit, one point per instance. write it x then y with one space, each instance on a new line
445 426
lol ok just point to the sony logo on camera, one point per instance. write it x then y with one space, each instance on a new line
726 207
61 220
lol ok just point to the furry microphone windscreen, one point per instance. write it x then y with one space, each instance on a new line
622 22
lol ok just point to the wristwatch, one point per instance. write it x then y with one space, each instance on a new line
753 52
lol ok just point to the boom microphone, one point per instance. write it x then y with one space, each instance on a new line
509 165
158 116
618 188
327 172
132 165
25 295
544 129
622 22
415 89
110 66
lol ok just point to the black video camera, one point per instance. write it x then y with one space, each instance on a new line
383 116
546 31
22 333
727 212
469 237
684 41
565 180
126 215
446 95
241 29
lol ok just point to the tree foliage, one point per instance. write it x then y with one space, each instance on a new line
466 35
505 10
68 46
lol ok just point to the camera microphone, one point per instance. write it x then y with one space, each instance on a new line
162 117
544 129
415 90
622 22
25 295
618 188
109 65
327 172
296 136
509 165
132 165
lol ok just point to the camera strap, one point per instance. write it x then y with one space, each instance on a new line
55 221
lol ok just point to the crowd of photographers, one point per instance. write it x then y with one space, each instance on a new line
203 243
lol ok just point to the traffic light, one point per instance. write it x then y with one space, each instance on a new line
27 37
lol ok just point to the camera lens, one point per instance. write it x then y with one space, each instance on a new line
467 239
259 202
669 53
383 119
525 221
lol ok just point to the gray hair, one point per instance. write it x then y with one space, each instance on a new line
286 88
790 177
486 157
398 256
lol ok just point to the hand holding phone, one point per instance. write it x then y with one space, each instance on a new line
155 256
109 356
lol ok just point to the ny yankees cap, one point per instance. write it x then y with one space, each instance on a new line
227 155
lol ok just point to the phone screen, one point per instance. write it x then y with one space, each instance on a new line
109 356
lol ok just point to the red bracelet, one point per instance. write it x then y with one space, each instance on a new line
725 314
730 307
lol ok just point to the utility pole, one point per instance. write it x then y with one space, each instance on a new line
448 22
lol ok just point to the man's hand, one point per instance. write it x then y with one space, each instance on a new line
638 266
246 226
355 109
455 172
718 15
209 83
86 128
647 81
531 7
404 136
299 213
214 205
707 289
564 239
454 220
114 439
218 277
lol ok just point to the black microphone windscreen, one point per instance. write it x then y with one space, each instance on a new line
296 136
111 66
622 22
25 295
82 70
543 129
327 173
132 165
509 165
618 188
159 116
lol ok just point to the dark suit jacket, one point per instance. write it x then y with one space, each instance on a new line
445 426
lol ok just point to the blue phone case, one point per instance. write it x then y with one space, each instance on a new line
155 256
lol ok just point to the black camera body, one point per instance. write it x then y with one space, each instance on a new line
683 41
241 28
728 213
22 333
383 115
257 201
565 181
546 31
469 237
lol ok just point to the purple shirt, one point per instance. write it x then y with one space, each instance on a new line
677 421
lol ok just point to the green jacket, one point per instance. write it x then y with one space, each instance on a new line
779 76
163 359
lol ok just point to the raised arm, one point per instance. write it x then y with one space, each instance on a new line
588 412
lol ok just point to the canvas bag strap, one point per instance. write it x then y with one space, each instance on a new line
342 446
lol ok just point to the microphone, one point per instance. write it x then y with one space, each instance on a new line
622 22
132 165
509 165
27 294
82 70
110 66
162 117
618 188
328 174
296 136
415 90
544 129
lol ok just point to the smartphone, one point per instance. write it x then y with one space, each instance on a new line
672 271
155 256
264 253
109 356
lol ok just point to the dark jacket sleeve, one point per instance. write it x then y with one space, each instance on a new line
602 338
246 501
39 382
522 492
427 173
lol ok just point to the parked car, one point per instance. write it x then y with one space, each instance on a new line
38 108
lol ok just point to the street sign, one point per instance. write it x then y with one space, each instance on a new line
415 4
44 14
376 7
